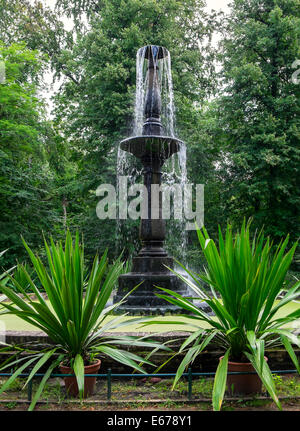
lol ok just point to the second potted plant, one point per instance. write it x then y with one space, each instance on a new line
246 280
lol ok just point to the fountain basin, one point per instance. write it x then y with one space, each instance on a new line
161 147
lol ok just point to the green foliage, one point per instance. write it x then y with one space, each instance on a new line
246 278
101 92
20 276
241 130
259 114
28 204
56 178
287 385
34 23
75 316
19 104
3 278
98 93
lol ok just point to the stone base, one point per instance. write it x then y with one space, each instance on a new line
143 300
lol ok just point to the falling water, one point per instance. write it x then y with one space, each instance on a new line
174 174
174 169
139 92
163 68
167 92
130 167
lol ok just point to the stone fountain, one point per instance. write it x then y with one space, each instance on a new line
153 148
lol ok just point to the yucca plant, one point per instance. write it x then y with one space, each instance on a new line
74 316
19 276
246 279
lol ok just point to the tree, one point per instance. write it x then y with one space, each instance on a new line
259 114
25 178
96 104
33 23
93 108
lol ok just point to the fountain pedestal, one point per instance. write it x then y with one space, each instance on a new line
150 266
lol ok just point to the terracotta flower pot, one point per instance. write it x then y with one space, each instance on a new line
242 384
89 382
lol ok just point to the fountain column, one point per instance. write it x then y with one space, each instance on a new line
152 230
152 148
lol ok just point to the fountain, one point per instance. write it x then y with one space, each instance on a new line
152 148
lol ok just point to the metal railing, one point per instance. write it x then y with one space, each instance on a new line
109 375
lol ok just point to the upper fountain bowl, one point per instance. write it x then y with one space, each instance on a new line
159 147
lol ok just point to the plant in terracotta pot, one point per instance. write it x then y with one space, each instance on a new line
73 312
246 279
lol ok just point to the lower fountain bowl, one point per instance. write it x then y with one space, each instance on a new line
161 147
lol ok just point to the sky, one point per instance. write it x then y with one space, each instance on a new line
217 4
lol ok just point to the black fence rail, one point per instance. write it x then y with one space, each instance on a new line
110 375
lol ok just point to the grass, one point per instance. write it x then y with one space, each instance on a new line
136 390
289 386
134 394
13 323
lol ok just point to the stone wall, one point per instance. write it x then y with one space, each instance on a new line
278 359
